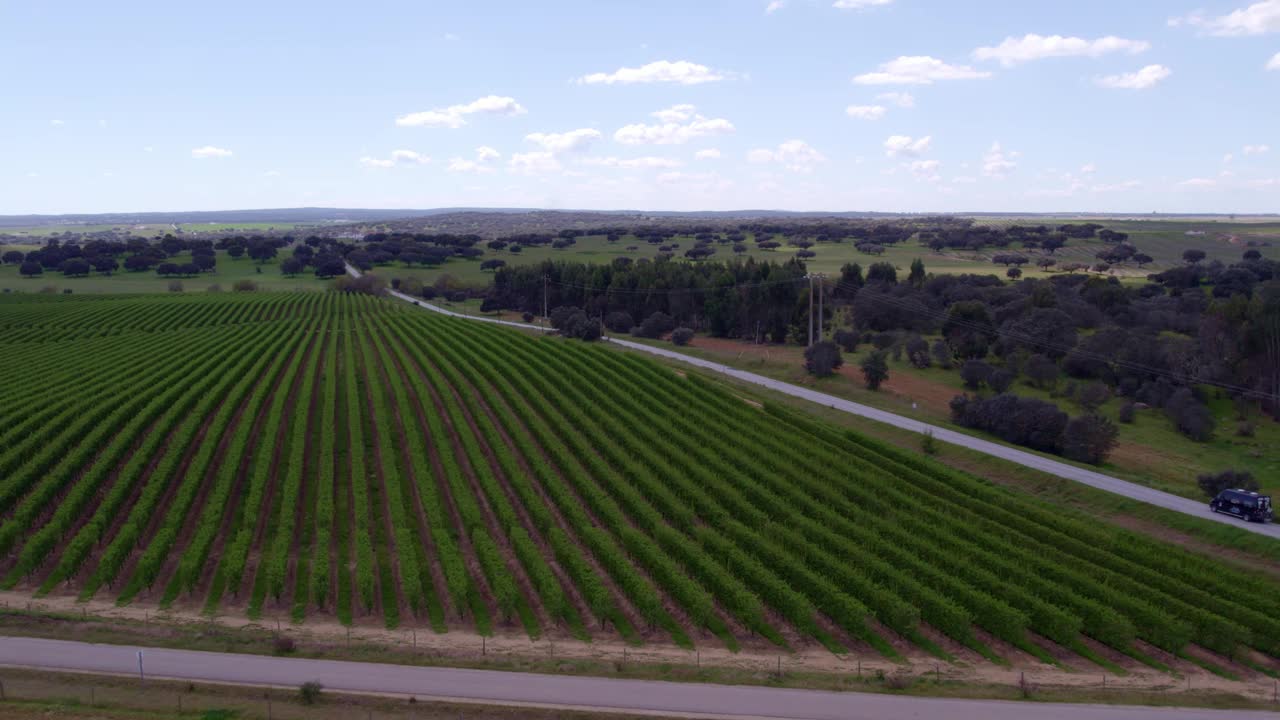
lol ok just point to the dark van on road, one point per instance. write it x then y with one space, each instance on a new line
1244 504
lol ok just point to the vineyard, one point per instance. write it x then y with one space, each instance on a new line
328 455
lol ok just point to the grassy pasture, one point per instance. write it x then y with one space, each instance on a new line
227 272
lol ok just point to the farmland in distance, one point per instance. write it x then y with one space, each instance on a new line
326 455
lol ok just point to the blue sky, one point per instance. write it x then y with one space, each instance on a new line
893 105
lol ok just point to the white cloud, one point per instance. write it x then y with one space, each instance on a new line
865 112
1256 149
454 116
708 154
1274 63
1141 80
485 156
963 180
1088 169
918 70
1037 47
148 149
774 6
57 123
209 151
859 4
901 99
1256 19
675 113
272 173
1266 182
906 146
1198 183
794 155
1116 187
680 125
398 157
534 163
682 72
572 141
997 163
926 170
647 162
1228 158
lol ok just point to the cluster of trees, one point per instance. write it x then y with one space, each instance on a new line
1153 345
141 255
1039 425
740 298
412 249
1213 483
1085 339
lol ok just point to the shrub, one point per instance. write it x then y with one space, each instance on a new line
527 317
214 288
1092 396
619 321
847 340
559 316
1213 483
309 692
655 325
681 336
245 286
285 645
1127 412
823 358
175 286
1041 371
1000 379
928 443
918 352
974 373
1191 417
1089 438
1022 421
942 354
875 370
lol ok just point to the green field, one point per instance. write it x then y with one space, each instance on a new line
42 232
333 455
1164 241
1151 451
228 271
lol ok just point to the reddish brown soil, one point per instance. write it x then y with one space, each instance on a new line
242 474
375 372
266 514
206 486
491 521
619 598
431 403
438 581
82 518
572 594
303 531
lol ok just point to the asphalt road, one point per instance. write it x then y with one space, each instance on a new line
603 694
1021 457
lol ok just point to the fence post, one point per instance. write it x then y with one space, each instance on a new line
2 697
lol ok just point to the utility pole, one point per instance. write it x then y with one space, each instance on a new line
544 299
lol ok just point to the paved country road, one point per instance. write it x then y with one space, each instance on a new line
1053 467
588 693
